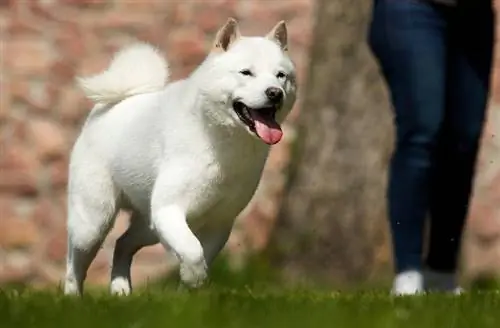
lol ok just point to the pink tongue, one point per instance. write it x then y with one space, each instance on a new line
267 129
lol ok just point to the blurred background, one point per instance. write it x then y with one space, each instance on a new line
319 213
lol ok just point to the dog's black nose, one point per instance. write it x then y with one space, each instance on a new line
274 94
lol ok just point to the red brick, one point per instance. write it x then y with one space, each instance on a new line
154 35
45 215
144 6
37 97
19 130
17 233
152 254
48 138
290 11
58 172
180 13
4 100
188 46
93 64
63 72
10 275
18 168
117 21
98 272
87 4
30 93
70 43
53 92
61 201
18 89
266 16
18 27
299 36
142 273
57 246
6 206
18 7
46 273
27 56
71 107
210 16
121 224
44 13
16 267
18 183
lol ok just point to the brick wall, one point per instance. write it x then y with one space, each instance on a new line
44 44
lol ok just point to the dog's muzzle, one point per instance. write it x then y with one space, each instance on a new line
261 121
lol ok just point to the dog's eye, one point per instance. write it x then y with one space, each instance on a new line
281 75
246 72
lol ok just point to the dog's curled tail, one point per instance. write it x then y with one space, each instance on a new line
135 69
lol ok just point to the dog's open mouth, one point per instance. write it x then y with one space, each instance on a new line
260 121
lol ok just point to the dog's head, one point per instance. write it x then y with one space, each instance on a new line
251 79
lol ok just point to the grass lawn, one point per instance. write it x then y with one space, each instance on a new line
243 308
235 301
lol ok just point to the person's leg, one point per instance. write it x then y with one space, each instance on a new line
408 38
468 80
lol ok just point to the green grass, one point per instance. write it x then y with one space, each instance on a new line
243 308
253 298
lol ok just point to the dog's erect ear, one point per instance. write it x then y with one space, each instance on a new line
279 35
226 35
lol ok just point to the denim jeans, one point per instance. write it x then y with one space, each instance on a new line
436 61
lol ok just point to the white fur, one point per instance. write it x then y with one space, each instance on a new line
136 69
177 156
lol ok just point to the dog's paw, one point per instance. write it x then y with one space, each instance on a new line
193 274
120 286
71 287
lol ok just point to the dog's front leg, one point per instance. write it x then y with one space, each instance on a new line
170 224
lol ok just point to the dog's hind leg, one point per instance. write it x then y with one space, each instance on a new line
138 235
92 209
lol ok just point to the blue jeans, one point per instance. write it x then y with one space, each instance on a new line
436 61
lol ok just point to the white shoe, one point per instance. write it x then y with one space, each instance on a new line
408 283
441 282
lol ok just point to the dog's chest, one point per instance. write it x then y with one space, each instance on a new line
228 182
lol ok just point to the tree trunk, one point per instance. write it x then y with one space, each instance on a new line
332 224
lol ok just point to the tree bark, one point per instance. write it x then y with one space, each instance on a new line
332 224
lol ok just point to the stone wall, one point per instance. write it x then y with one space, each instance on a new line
44 44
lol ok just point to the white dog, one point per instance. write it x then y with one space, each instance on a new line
184 157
